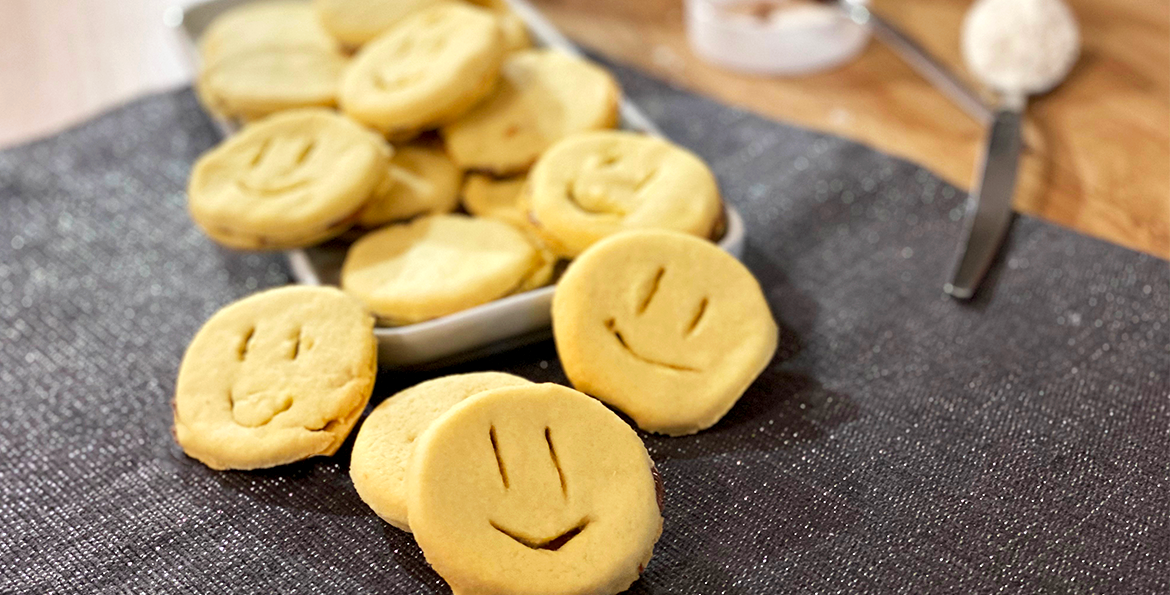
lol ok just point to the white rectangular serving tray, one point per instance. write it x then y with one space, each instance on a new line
497 326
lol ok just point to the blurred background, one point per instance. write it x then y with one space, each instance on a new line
1098 147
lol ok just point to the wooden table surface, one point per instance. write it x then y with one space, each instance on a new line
1098 157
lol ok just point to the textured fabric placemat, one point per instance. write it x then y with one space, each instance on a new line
899 442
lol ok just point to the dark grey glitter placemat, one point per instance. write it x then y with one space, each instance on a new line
900 441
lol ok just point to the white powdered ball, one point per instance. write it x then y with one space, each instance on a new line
1020 45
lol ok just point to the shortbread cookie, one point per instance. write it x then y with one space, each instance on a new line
270 23
252 83
437 265
421 180
542 272
290 180
424 71
274 378
533 489
355 22
664 326
542 97
594 184
381 452
497 198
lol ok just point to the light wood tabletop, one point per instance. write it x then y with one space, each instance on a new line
1098 147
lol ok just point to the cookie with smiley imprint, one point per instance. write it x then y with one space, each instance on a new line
424 71
381 452
664 326
595 184
276 377
290 180
533 489
542 96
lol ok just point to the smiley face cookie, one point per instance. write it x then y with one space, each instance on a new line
254 82
274 23
424 71
437 265
421 180
533 489
290 180
664 326
542 97
355 22
274 378
595 184
381 452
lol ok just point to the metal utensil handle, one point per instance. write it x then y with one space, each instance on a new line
989 207
921 61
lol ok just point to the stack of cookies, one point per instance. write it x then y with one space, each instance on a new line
507 486
461 164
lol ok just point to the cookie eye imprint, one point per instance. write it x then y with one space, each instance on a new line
533 489
425 70
276 377
674 344
595 184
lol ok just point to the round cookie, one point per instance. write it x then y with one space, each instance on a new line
381 452
424 71
293 179
497 198
533 489
542 97
436 265
272 23
421 180
274 378
254 82
664 326
542 272
355 22
595 184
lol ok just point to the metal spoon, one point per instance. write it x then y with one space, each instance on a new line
1018 47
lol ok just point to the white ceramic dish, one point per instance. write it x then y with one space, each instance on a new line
773 38
493 327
